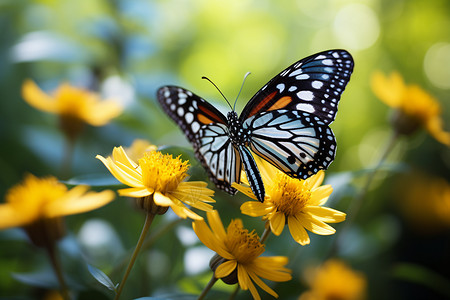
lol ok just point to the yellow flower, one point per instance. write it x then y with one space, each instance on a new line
297 203
138 148
430 215
46 199
415 107
335 280
74 106
239 252
160 178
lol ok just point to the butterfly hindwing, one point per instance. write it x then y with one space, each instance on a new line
217 154
298 143
313 84
206 129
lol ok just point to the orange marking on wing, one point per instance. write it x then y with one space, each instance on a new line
203 119
262 103
209 116
281 103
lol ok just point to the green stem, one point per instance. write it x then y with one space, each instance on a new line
148 222
52 253
265 234
147 243
235 292
66 168
208 287
356 204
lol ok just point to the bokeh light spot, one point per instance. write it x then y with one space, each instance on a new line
436 65
356 26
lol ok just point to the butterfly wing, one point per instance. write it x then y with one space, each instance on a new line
288 118
313 84
206 129
298 143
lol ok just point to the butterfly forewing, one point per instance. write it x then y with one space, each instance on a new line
313 84
206 129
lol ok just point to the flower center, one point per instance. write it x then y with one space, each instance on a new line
244 245
162 172
290 195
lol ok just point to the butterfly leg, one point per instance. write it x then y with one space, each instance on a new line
252 172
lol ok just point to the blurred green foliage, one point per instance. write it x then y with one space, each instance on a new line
126 49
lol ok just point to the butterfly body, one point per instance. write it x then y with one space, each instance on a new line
285 122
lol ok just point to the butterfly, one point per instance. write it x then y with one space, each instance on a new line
285 123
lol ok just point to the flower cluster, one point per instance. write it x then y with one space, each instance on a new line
160 179
415 107
157 182
238 255
293 202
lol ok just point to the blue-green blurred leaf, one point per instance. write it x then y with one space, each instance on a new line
45 45
101 277
98 180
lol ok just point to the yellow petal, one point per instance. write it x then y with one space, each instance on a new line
388 89
262 285
314 225
297 230
135 192
256 208
119 155
181 210
435 128
34 96
216 224
272 268
325 214
10 217
207 237
246 190
277 223
319 195
73 203
267 170
162 200
316 180
102 112
243 278
121 172
225 269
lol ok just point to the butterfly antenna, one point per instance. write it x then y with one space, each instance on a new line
204 77
245 77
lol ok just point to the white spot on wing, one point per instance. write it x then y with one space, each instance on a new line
281 87
305 95
189 117
295 73
305 107
195 127
302 76
317 84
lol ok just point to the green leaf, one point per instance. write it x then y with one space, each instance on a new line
170 297
421 275
96 180
101 277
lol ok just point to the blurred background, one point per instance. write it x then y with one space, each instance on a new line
127 49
